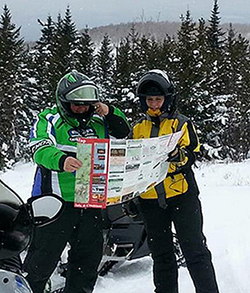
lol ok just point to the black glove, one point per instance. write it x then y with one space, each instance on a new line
177 155
131 208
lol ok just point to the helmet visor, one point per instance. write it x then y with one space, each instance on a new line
86 94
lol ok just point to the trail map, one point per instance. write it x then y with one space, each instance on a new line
116 170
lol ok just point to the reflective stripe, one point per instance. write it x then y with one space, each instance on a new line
67 148
160 190
33 132
154 130
50 130
37 185
55 183
181 121
161 193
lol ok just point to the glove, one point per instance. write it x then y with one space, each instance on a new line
177 155
131 208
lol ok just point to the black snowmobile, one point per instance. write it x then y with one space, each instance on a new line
16 226
125 239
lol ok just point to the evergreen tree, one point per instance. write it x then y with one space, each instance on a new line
201 51
203 115
214 30
134 53
85 54
144 53
105 65
125 80
154 51
43 66
122 70
11 103
215 55
210 90
186 66
134 65
64 48
235 138
167 56
54 55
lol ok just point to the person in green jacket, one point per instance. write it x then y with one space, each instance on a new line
78 113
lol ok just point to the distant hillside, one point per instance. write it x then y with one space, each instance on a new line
116 32
158 30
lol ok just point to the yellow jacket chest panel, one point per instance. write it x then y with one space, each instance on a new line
176 184
143 129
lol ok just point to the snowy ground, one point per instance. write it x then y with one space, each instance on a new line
225 196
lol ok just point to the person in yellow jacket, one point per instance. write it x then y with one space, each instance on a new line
175 200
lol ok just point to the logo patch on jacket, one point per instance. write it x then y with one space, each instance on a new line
87 133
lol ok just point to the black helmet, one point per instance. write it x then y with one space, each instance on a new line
15 224
76 88
157 83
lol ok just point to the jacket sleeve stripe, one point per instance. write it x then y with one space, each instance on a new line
194 141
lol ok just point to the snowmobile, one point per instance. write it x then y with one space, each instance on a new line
16 226
125 239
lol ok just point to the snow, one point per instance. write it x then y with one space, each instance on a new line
225 191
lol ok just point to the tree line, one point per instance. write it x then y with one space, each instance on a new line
210 67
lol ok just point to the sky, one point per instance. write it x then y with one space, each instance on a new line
94 13
224 194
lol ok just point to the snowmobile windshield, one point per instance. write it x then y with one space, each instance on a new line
8 195
85 95
15 224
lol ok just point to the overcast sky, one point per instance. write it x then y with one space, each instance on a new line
104 12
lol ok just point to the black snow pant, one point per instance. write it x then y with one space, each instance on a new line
185 212
82 229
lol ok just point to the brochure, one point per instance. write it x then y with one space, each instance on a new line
116 170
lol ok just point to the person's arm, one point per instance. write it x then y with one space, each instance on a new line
117 123
43 144
184 155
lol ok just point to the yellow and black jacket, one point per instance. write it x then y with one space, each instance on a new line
180 178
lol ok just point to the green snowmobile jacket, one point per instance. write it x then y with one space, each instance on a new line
54 138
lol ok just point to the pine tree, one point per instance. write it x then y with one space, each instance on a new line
214 31
202 116
211 90
167 56
64 48
201 51
235 138
134 41
144 53
154 51
43 66
186 65
215 54
55 54
11 103
125 80
85 54
105 65
122 70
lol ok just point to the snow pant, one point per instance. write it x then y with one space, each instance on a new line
82 229
185 212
